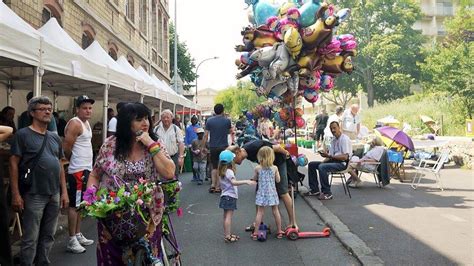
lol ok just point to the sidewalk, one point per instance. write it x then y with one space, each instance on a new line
399 225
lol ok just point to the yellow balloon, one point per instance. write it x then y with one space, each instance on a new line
292 40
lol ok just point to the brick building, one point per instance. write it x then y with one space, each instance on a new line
137 29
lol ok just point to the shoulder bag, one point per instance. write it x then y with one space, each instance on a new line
26 172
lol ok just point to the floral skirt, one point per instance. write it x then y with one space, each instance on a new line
110 253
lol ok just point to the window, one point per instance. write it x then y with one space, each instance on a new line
154 25
130 9
143 16
131 60
88 35
113 49
160 32
165 38
50 12
86 40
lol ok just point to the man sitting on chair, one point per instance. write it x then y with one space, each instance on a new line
336 160
368 163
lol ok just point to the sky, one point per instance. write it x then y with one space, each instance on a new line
209 33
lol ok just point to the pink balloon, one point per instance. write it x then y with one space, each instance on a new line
300 122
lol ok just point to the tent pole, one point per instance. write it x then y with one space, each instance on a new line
174 108
142 98
37 79
104 114
9 92
55 100
161 108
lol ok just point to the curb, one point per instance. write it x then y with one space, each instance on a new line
349 240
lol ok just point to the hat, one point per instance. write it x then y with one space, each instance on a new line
199 130
83 99
226 156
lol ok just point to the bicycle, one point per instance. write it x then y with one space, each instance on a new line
170 251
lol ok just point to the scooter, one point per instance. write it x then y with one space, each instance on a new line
294 233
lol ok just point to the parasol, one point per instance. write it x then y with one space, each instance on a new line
389 121
396 135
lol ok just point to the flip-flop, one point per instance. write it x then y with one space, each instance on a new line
230 239
280 235
212 190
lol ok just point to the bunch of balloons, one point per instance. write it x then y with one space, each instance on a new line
290 50
300 160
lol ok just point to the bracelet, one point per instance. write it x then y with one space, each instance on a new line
154 148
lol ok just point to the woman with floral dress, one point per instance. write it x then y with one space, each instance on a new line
130 155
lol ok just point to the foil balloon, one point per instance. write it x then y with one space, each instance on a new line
281 61
293 42
302 160
307 12
311 95
300 123
264 56
262 10
327 82
254 38
284 114
337 65
299 112
343 14
249 116
319 33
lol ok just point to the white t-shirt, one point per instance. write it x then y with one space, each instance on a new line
350 122
112 126
341 145
170 137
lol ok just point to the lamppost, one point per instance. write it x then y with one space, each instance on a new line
197 69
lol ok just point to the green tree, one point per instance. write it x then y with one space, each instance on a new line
388 48
450 67
238 98
186 64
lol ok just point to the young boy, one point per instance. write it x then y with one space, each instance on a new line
200 156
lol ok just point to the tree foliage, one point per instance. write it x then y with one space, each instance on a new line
186 64
449 67
388 47
238 98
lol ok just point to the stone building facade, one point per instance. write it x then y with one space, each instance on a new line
136 29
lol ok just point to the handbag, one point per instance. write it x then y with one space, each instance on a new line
26 173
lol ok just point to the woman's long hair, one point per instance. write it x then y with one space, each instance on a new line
124 135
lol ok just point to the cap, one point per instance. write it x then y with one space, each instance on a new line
83 99
199 130
226 156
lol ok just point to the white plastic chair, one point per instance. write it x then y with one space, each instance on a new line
342 175
374 172
435 170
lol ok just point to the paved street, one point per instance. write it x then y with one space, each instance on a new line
200 234
411 227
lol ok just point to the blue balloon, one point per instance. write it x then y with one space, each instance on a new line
262 9
308 13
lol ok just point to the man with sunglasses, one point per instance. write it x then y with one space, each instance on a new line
39 152
351 122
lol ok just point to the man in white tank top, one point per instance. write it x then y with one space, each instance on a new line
77 147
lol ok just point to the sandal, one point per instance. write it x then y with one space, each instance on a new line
212 190
254 236
235 236
217 190
280 235
250 228
231 239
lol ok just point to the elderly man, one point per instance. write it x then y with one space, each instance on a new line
351 122
40 196
336 160
172 138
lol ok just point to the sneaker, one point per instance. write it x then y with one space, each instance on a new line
73 246
199 182
325 196
355 184
83 240
311 193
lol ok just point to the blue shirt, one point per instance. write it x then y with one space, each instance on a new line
218 127
190 134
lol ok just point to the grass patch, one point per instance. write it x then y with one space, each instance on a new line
440 107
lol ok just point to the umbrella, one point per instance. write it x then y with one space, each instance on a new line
398 136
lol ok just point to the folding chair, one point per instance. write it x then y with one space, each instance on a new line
423 167
374 172
342 175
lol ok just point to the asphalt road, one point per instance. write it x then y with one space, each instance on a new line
200 234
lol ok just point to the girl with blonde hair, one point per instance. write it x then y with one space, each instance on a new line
267 175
